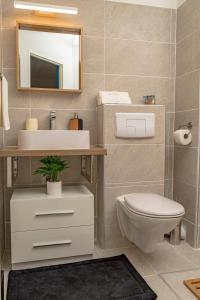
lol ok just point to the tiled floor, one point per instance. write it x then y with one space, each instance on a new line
164 270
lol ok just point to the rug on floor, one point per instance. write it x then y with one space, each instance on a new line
99 279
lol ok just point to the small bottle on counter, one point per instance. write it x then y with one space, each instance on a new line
75 123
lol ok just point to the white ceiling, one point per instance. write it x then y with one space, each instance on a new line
159 3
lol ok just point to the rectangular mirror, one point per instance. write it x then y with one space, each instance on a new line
49 58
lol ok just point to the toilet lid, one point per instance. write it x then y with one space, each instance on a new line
153 205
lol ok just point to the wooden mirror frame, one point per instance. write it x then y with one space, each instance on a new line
50 28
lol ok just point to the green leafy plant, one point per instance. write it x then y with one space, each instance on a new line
52 167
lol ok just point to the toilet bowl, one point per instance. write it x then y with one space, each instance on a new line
145 218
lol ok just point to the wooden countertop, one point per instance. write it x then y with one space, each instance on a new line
14 151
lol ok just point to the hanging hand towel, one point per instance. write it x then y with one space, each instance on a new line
114 97
4 103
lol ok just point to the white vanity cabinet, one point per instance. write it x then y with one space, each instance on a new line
48 227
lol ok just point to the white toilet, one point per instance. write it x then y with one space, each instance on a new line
145 218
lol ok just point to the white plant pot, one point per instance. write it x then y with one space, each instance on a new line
54 188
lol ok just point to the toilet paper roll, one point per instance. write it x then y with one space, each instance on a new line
183 136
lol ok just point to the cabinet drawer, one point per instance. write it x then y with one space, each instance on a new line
53 243
51 213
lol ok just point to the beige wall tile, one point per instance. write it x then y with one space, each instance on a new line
141 86
156 26
144 168
114 238
187 91
169 188
173 25
196 49
49 100
172 88
16 98
169 126
34 164
182 118
11 14
169 162
110 124
184 56
92 84
100 125
188 18
173 60
24 172
185 164
187 196
139 58
9 48
93 55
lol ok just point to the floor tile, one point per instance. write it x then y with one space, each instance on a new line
175 281
160 288
134 256
191 254
167 259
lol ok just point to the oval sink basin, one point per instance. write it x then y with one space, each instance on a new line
53 139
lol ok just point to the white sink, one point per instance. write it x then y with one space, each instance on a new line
53 139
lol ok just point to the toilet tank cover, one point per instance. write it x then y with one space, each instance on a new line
153 205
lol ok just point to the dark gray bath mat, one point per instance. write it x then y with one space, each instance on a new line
100 279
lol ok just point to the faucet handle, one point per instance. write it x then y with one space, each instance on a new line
52 114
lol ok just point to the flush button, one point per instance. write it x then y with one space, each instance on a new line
135 125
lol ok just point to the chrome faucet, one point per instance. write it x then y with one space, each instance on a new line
52 118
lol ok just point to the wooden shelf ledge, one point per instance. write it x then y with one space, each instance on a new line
16 152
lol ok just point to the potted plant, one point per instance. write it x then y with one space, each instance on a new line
51 169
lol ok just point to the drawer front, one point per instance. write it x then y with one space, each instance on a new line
53 243
51 213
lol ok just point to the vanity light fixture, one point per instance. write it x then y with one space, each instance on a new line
46 8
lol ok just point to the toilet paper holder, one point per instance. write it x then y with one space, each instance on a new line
186 126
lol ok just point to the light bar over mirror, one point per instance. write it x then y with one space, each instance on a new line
45 7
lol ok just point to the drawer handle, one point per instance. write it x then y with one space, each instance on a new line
54 213
47 244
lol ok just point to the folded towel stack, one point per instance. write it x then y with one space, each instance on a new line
113 97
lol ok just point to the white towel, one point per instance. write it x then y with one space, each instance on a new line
113 97
4 99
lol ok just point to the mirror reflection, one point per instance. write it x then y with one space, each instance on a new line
49 57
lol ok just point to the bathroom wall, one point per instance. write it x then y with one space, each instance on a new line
126 47
186 158
131 166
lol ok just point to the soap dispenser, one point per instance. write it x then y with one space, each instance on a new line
75 123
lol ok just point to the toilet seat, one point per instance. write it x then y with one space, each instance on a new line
153 205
